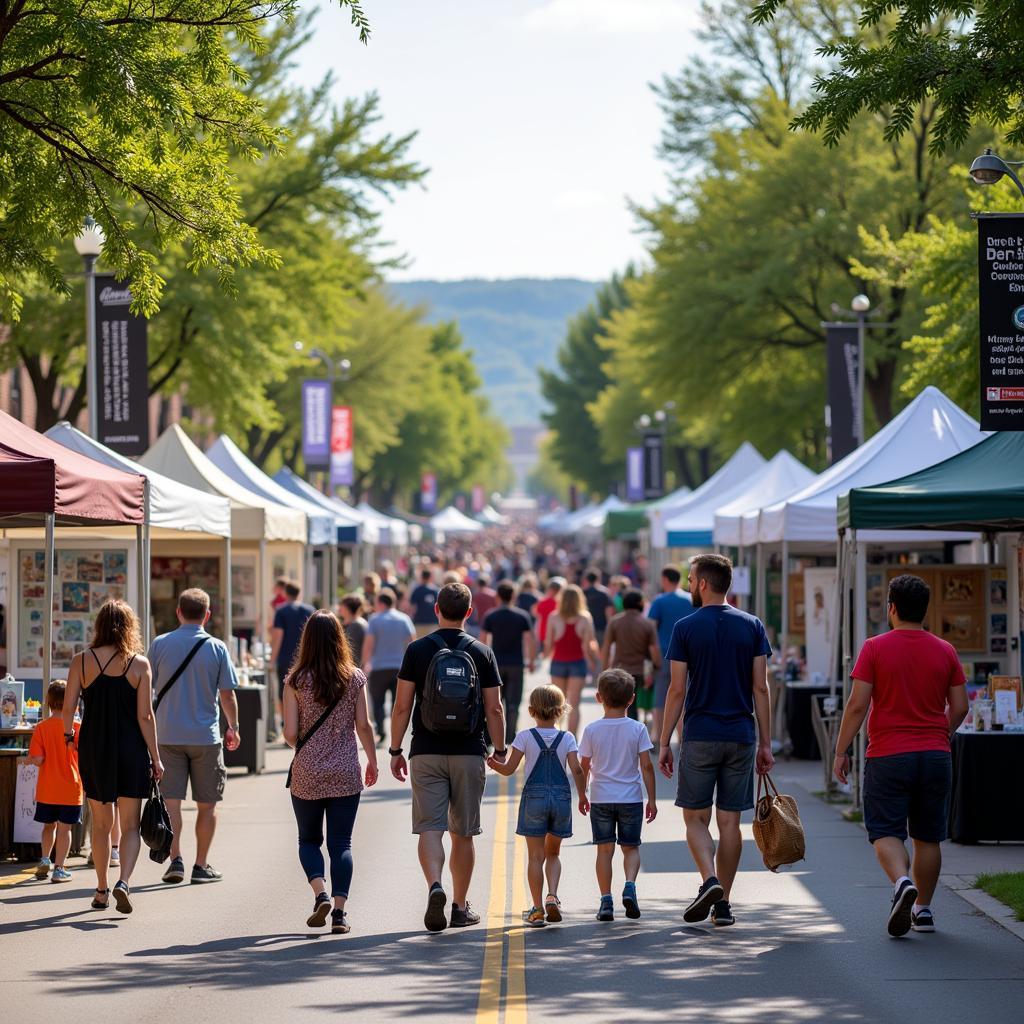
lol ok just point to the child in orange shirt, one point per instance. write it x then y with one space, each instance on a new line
59 787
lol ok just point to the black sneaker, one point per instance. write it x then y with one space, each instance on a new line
321 911
339 926
122 899
629 901
902 908
606 909
434 920
707 896
464 916
721 914
175 872
202 875
922 921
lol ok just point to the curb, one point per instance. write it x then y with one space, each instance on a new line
963 886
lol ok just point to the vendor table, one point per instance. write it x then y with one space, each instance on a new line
799 724
252 713
987 802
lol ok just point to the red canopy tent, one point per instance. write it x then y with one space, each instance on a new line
41 481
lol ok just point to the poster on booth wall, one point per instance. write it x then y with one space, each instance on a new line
819 621
26 828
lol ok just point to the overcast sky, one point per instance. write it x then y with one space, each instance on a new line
534 117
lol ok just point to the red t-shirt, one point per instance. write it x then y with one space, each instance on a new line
545 608
910 672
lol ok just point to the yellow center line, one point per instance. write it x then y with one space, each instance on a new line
18 878
515 997
488 1007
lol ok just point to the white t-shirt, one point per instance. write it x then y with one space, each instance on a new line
525 743
614 746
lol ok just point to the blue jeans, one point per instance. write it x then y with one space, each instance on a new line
340 812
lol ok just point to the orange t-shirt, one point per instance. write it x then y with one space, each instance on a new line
59 781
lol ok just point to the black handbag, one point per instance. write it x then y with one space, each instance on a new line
155 826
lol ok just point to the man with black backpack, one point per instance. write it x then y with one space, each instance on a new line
450 687
191 670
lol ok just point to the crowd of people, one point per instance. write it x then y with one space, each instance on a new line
447 655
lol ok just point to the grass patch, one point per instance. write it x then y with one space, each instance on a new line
855 816
832 798
1007 887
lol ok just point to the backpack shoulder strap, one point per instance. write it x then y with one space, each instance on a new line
539 740
438 639
465 642
178 671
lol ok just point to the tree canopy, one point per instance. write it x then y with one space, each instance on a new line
963 58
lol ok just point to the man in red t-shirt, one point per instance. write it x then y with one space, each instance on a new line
546 606
913 684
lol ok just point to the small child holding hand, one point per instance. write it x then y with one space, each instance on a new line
59 786
545 807
615 753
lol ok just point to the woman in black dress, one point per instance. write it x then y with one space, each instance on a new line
117 747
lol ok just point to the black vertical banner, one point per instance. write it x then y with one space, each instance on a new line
842 350
654 464
1001 312
122 377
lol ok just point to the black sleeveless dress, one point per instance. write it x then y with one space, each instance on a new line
112 755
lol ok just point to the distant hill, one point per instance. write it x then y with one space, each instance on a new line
513 327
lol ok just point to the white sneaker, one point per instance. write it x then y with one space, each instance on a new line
115 858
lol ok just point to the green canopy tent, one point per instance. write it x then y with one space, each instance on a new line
981 488
626 523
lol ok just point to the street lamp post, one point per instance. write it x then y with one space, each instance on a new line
860 305
988 168
89 244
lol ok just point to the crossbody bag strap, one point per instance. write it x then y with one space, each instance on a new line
178 671
303 740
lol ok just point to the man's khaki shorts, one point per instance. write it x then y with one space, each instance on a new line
202 765
447 793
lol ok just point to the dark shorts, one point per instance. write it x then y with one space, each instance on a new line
568 669
625 819
544 814
716 772
65 814
662 679
908 793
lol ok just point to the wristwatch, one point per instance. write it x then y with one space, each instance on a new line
395 753
501 753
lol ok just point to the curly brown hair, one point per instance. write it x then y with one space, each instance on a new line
117 626
324 657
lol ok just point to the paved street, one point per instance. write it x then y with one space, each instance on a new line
809 944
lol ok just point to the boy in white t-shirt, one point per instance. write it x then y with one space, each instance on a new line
545 807
615 755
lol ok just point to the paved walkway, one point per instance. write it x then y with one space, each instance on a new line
809 944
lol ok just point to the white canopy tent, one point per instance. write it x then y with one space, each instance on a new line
174 510
490 516
451 520
781 476
720 487
353 527
394 532
590 519
256 522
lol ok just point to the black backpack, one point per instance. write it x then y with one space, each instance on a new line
451 694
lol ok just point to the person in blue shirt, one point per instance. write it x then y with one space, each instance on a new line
671 605
719 658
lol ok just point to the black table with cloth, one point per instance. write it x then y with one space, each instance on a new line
253 710
799 723
987 802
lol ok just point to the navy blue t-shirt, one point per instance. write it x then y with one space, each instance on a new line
290 617
422 600
719 644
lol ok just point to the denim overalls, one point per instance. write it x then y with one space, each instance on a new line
545 807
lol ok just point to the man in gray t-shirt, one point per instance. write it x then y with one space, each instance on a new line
387 635
188 726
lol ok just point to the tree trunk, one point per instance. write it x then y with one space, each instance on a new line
685 476
878 384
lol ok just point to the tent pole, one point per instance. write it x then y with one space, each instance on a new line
228 596
44 710
860 626
1012 549
760 591
262 592
838 617
140 574
784 629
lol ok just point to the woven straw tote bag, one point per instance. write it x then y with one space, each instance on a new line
778 832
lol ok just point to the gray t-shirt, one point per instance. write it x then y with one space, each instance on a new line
391 631
188 715
356 633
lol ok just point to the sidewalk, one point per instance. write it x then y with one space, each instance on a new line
961 864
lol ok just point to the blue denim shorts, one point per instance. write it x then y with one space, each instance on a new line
908 793
544 814
568 669
626 819
716 772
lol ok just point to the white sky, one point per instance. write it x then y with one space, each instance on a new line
534 117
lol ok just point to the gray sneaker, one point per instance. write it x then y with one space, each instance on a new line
202 875
175 872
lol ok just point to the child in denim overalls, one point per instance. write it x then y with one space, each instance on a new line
545 807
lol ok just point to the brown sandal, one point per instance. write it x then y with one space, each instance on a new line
96 905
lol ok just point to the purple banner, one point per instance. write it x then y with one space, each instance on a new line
634 474
316 423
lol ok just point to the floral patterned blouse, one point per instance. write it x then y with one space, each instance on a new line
328 765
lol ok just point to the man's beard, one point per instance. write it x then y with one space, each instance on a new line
697 600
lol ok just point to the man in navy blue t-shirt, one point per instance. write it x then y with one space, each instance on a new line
719 684
421 604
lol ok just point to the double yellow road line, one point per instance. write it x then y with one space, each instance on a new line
503 984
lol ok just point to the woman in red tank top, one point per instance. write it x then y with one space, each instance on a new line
569 642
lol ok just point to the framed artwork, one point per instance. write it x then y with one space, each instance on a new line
797 608
1012 683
